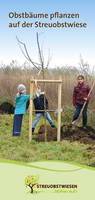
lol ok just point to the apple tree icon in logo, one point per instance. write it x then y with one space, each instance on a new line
31 181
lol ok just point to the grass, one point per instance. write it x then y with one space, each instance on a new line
20 149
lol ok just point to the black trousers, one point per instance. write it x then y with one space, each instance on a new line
17 124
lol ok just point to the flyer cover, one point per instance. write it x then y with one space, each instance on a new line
47 100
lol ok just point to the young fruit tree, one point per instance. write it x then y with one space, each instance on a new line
31 181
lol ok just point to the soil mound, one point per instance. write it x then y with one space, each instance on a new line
68 132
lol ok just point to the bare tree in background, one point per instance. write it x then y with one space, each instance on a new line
40 66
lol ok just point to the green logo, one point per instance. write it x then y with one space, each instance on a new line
31 181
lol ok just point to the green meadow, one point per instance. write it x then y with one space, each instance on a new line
20 149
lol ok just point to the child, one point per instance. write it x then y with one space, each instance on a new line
80 95
20 109
41 104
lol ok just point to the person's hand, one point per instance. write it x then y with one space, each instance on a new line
85 99
17 94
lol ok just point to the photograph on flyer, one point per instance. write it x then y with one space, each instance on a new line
47 99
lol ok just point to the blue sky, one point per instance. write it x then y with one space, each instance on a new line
65 45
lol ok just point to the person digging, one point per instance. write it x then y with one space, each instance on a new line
80 101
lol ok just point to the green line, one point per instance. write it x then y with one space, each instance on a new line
37 167
54 170
43 168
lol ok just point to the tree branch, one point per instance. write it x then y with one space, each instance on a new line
27 54
40 54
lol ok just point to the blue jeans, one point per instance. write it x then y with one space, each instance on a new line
84 113
38 117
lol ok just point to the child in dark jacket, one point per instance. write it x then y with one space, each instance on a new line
80 95
41 105
20 109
